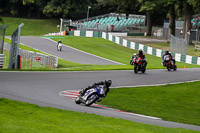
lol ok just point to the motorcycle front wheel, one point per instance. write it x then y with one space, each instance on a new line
91 99
136 68
143 70
77 100
168 68
175 68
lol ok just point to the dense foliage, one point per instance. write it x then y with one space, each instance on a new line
155 10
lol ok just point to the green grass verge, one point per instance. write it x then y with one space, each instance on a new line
6 61
179 103
32 27
165 46
25 64
103 48
23 117
115 52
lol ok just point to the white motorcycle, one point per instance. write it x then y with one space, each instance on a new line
59 47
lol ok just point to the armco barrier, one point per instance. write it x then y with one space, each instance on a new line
136 46
49 60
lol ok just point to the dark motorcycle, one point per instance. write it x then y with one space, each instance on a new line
91 96
169 63
139 64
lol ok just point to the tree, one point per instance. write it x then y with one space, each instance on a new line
57 8
1 19
74 9
29 3
126 6
172 16
195 4
39 6
148 6
79 8
187 18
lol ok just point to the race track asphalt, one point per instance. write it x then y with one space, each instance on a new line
67 53
43 88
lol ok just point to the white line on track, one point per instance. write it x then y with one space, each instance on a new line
155 84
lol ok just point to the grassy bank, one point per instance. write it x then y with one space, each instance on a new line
165 46
179 103
23 117
103 48
32 27
112 51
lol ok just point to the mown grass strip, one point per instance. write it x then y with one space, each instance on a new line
179 103
23 117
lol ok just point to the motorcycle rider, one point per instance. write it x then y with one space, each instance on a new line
170 57
105 85
58 43
132 58
141 55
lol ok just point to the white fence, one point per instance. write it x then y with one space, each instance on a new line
28 55
1 60
197 47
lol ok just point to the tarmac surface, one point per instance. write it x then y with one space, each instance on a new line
67 53
43 88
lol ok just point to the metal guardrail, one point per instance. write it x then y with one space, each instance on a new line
28 55
1 60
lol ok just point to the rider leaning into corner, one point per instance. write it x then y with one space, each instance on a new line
104 85
170 56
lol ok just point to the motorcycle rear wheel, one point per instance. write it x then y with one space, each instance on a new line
91 99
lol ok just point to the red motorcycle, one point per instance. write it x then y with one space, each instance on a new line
139 64
170 63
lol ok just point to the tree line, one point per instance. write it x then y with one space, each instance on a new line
155 10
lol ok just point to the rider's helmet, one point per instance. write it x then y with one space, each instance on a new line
108 83
140 52
166 52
